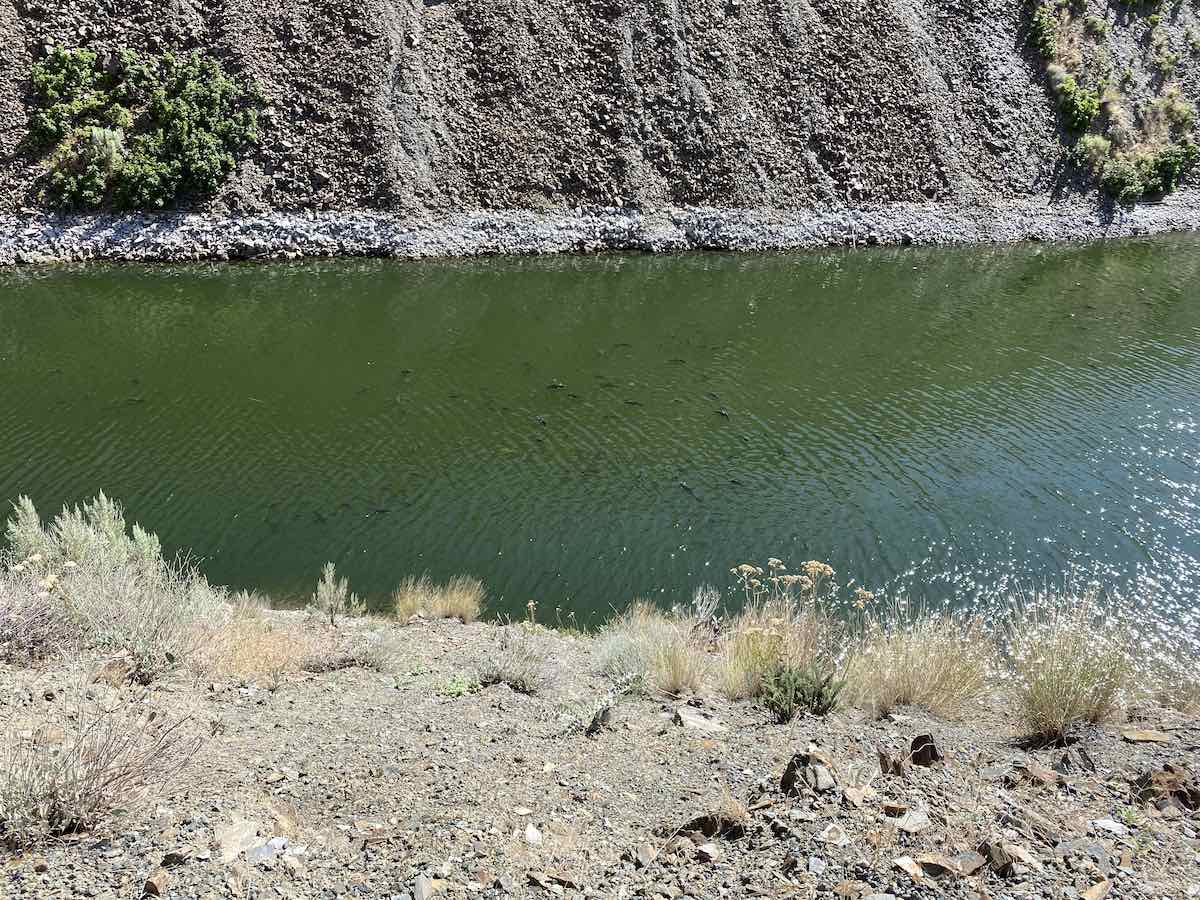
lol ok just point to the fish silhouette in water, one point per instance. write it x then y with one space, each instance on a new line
687 487
633 403
555 385
541 420
723 412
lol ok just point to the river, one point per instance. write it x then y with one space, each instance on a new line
950 424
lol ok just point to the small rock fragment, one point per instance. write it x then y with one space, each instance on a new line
1145 736
924 751
691 719
708 852
157 883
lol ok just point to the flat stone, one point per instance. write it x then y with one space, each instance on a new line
1145 736
261 855
691 719
645 854
816 866
1112 826
834 834
235 838
913 822
708 852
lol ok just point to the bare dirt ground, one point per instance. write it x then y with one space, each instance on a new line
410 784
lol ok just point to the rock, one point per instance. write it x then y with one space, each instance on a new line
238 836
1112 826
1035 774
40 865
909 866
1145 736
969 862
157 883
811 769
691 719
425 887
114 672
913 822
645 854
177 857
892 765
1097 891
834 834
532 835
261 855
505 883
857 796
924 751
937 865
816 866
708 853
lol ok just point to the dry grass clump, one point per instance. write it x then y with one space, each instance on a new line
462 597
1073 661
939 662
785 624
518 660
1174 681
664 651
62 777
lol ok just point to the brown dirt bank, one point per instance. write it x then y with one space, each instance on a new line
459 105
395 785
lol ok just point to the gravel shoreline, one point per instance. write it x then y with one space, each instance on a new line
41 238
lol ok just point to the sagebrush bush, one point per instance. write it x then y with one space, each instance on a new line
462 597
135 131
662 651
333 597
517 660
1073 660
60 776
106 586
939 662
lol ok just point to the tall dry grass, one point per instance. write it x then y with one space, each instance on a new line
785 623
664 651
462 597
1073 658
940 662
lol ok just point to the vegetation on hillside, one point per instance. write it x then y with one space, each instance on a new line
134 131
1131 150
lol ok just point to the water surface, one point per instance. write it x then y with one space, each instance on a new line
584 430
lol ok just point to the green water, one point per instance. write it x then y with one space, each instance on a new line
584 430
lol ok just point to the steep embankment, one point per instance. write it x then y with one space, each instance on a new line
439 108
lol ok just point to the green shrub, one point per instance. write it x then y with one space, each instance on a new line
1162 171
1078 104
1092 153
787 690
1122 181
1095 26
181 121
1043 32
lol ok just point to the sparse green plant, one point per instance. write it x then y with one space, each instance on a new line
1079 105
106 586
333 597
462 597
518 661
1095 26
460 684
788 690
1043 31
1072 658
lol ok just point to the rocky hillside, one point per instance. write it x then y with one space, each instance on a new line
448 105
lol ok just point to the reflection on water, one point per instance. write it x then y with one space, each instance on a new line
584 430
